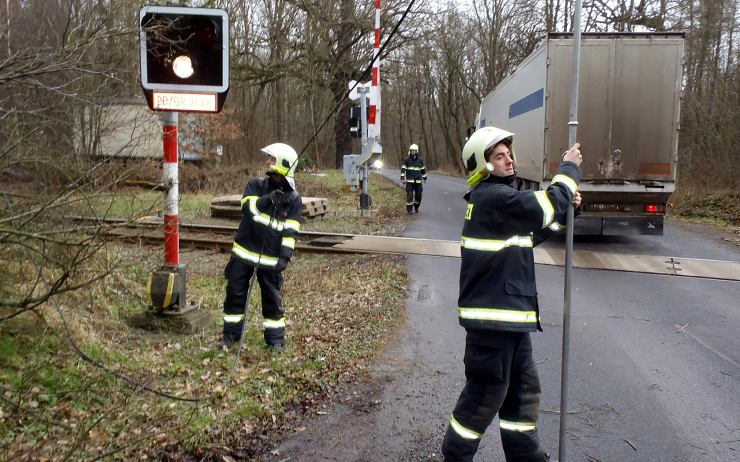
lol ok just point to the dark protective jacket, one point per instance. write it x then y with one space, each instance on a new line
502 225
412 170
267 231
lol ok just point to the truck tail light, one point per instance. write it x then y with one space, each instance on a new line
655 208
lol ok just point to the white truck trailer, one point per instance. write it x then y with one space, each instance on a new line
628 123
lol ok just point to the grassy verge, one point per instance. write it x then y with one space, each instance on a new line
720 209
339 310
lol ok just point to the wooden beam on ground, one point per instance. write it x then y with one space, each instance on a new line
344 243
230 206
650 264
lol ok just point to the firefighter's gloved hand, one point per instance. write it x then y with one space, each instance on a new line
277 197
425 180
282 264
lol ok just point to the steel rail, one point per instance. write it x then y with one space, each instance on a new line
196 227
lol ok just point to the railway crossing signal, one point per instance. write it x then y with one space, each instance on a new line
184 61
184 58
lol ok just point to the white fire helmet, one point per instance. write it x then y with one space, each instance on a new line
413 147
285 160
473 152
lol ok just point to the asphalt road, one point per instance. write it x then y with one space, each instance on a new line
654 363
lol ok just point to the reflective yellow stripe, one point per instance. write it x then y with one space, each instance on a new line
292 224
246 198
289 242
263 218
556 226
233 318
466 433
414 168
496 314
567 181
494 245
253 256
548 211
517 426
273 324
168 294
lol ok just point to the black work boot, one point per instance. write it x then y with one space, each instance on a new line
276 347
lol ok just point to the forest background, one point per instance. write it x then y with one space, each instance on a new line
65 63
291 61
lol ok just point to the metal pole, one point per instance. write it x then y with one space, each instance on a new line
171 195
572 135
364 197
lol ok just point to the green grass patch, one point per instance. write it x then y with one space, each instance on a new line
340 309
388 201
132 203
716 208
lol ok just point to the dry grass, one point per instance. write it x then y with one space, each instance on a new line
54 406
720 208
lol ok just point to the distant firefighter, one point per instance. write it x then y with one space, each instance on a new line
413 174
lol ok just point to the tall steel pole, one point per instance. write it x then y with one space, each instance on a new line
572 136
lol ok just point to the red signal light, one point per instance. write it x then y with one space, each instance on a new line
654 208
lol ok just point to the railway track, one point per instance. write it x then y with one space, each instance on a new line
206 236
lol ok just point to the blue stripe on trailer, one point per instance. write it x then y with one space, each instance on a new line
528 103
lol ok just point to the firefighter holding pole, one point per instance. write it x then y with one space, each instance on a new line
497 303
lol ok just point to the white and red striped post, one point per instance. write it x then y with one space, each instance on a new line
374 116
171 199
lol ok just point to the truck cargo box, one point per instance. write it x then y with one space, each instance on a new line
628 114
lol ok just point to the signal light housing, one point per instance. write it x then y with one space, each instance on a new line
184 50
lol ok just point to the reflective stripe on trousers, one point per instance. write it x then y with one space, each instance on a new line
501 379
238 274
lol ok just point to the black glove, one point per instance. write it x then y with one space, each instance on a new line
277 197
282 264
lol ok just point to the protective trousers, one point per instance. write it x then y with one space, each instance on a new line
413 195
501 377
237 274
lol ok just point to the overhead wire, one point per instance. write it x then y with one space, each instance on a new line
364 75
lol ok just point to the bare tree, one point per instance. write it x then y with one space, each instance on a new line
52 71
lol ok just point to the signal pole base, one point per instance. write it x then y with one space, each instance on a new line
188 321
168 305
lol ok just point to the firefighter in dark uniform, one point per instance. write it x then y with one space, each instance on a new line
413 174
271 209
497 304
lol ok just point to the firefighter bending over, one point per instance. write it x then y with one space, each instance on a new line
271 209
497 304
413 174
